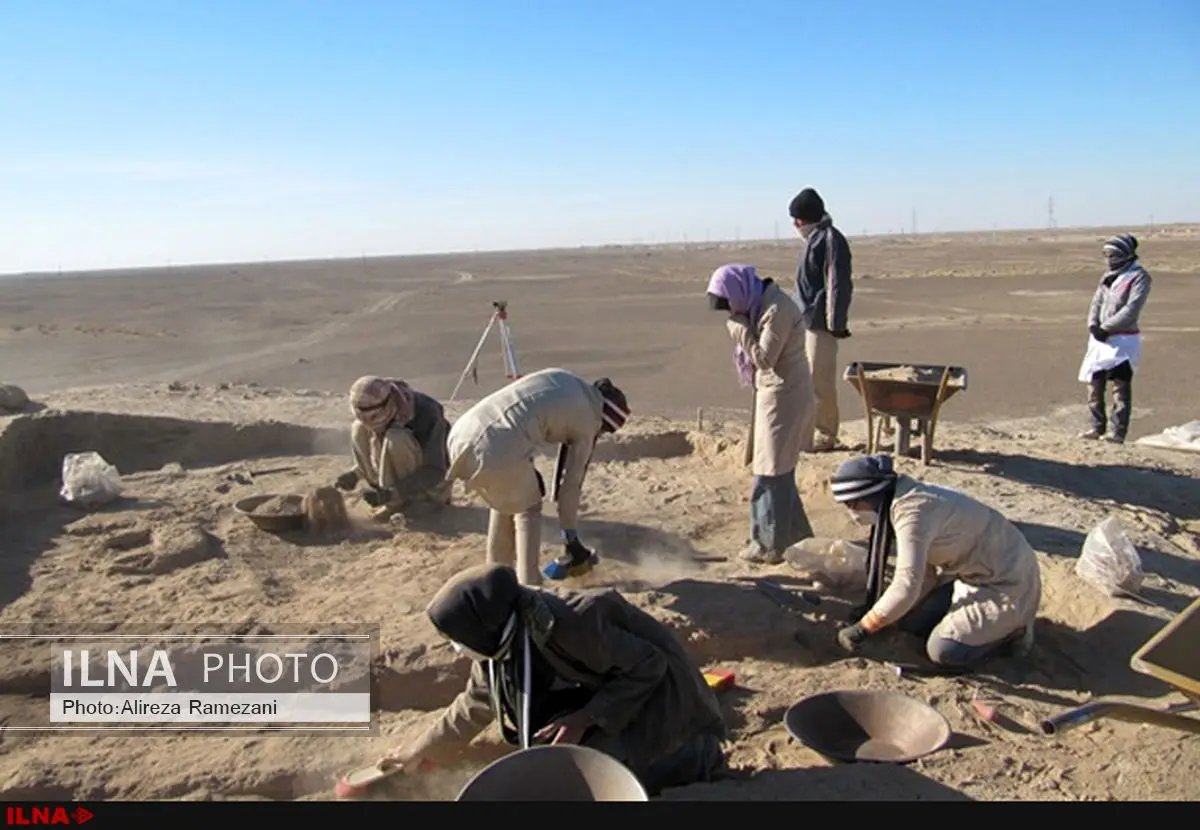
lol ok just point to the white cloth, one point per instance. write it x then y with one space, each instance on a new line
1110 354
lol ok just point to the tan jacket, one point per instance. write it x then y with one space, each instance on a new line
785 406
647 691
504 430
943 530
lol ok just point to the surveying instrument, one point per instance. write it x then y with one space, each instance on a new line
508 352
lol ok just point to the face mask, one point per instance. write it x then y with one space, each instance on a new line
864 518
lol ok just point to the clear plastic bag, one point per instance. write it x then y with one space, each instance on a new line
1109 560
89 480
834 563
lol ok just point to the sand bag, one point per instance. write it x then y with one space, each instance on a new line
1109 560
835 563
89 480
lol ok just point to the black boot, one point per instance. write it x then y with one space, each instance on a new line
1096 407
1122 409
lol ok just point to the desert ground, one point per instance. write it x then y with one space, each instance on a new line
207 385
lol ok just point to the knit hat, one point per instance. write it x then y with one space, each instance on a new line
862 477
807 206
615 409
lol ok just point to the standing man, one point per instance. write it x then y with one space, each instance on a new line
492 447
1115 340
824 289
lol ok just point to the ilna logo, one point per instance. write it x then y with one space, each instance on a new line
46 815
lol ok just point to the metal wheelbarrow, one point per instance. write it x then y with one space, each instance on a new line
910 393
1171 656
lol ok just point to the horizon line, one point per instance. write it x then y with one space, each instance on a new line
597 247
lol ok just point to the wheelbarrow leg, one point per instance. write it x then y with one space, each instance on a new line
930 425
903 436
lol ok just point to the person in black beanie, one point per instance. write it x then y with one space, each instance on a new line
824 290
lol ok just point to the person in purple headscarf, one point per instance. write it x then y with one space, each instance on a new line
768 335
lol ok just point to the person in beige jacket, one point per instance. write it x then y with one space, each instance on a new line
768 335
966 579
492 448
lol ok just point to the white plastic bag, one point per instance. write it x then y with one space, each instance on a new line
89 480
1109 560
835 563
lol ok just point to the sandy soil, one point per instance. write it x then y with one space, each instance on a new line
163 392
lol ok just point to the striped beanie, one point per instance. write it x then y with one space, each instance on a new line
1122 249
615 409
862 477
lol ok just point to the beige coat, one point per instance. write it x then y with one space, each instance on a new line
784 407
942 535
647 693
495 441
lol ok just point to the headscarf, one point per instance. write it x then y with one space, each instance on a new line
1121 252
478 611
378 402
870 477
615 408
741 286
862 477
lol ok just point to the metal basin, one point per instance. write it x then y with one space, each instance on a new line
293 519
554 773
863 725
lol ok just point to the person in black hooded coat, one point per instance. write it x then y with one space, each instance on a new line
582 667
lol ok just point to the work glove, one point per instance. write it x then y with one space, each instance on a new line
1098 333
852 637
841 334
347 480
377 497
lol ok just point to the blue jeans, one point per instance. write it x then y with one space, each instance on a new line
777 517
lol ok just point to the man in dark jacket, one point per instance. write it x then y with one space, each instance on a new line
824 290
582 667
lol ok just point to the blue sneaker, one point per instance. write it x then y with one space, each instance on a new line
564 567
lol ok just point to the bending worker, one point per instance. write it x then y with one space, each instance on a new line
965 577
580 667
492 447
399 442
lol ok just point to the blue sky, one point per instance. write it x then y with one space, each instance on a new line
141 133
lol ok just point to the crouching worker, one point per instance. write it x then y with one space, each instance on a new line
492 448
965 577
399 443
581 667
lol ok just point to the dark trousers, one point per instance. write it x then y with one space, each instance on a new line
1122 381
701 759
777 517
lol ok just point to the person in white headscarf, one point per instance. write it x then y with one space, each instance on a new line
398 439
492 447
965 578
1115 339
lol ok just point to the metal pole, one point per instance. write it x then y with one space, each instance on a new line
474 356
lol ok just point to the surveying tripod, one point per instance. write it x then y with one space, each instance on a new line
508 352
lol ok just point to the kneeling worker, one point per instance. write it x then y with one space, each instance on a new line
399 443
965 577
580 667
492 448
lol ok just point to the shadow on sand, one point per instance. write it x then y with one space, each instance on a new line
850 782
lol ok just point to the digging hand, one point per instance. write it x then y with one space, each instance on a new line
852 637
568 729
347 480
